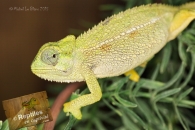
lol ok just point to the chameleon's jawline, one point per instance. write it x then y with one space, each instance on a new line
58 76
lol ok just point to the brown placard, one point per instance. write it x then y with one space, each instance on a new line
28 110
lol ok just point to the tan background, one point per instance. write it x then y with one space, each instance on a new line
23 32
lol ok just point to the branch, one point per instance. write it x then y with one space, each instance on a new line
62 97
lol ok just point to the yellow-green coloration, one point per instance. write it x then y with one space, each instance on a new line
30 104
113 47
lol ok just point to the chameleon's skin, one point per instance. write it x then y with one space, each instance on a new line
30 104
113 47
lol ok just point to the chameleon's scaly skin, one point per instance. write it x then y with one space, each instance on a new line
113 47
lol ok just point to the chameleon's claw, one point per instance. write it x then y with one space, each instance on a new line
76 112
133 75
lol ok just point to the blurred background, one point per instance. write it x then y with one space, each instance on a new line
23 32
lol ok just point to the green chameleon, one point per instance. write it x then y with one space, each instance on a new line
30 104
113 47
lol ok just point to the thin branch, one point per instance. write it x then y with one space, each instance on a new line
62 97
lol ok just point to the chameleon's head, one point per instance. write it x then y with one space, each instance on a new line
54 60
34 101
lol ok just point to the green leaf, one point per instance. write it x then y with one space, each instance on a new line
166 94
145 108
173 80
191 49
185 105
155 73
75 95
180 117
184 94
188 102
125 102
99 124
192 32
117 84
182 53
112 108
166 57
132 114
148 84
71 122
5 125
121 84
129 125
186 38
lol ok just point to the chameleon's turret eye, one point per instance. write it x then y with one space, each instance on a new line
50 56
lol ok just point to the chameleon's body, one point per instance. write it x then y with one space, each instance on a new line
113 47
30 104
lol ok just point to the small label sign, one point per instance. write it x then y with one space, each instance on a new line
28 110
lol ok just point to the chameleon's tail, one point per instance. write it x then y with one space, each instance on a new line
190 5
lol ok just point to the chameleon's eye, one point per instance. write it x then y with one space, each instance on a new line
50 56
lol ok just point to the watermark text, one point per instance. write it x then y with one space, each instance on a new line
28 8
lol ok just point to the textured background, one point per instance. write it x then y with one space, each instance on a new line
23 32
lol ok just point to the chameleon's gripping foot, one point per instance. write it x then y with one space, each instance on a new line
133 75
76 112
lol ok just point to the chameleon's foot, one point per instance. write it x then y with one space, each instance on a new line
76 112
134 76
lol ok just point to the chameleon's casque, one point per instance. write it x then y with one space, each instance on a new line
113 47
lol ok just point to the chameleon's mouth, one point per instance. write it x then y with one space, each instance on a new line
52 75
46 71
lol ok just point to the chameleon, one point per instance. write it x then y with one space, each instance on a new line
113 47
30 104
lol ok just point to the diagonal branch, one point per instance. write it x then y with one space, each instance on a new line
62 97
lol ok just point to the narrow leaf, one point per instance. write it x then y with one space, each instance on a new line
182 53
117 84
173 80
180 117
166 94
125 102
155 73
129 125
135 116
185 93
71 122
191 49
149 84
112 108
166 57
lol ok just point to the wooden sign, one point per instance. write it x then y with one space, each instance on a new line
28 110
